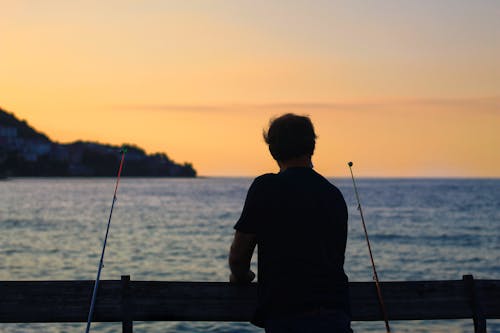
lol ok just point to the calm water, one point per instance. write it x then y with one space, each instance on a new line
180 229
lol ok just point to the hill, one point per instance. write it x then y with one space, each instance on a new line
26 152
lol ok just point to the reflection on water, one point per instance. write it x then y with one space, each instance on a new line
180 229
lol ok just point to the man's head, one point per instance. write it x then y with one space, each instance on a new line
290 136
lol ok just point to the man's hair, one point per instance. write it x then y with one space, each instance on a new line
290 136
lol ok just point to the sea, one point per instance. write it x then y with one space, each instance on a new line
181 229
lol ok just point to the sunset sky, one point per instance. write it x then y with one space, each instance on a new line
402 88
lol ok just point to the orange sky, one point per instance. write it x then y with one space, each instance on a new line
401 88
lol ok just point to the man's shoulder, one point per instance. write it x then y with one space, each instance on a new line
322 179
265 179
328 184
261 182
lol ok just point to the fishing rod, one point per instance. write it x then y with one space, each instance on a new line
375 276
96 285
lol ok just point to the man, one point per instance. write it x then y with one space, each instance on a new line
299 222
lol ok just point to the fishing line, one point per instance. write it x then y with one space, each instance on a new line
375 276
96 285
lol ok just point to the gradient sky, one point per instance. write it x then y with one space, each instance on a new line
402 88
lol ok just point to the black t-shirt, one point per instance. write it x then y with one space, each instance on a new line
300 220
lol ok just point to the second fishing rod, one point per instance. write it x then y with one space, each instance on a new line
375 275
101 260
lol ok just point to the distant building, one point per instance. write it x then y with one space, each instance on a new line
34 148
8 132
60 153
135 156
9 138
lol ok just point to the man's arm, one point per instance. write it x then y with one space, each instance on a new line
240 256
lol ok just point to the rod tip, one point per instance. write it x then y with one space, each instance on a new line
350 164
123 150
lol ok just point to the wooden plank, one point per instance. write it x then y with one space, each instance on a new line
58 301
411 301
68 301
215 301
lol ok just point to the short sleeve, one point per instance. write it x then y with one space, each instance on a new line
251 215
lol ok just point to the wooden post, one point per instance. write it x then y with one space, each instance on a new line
127 324
477 312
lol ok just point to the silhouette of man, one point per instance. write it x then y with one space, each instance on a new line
299 221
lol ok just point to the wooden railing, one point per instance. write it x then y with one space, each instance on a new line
127 301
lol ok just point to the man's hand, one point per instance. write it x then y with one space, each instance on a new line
247 279
240 256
